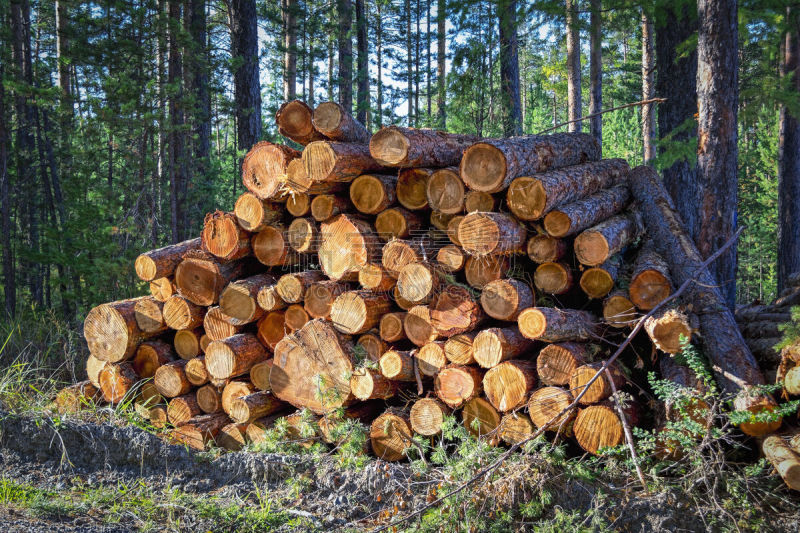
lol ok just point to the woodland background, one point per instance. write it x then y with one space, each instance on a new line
122 122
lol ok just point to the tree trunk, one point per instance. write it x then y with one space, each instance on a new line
395 146
217 325
785 460
162 262
504 299
481 420
9 273
441 51
117 381
379 58
596 427
224 238
362 98
369 384
289 8
199 431
574 102
666 327
596 70
509 67
648 90
397 223
356 312
398 365
427 416
199 86
248 408
597 244
240 299
344 9
201 279
347 245
337 161
177 156
597 282
491 234
572 218
264 166
390 434
247 86
271 247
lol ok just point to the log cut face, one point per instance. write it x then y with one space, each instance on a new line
264 169
491 165
455 310
650 281
546 405
446 191
394 146
572 218
254 214
508 384
111 331
201 280
337 162
491 234
294 120
347 245
412 184
161 263
223 237
390 434
334 122
597 244
312 368
372 194
556 325
504 299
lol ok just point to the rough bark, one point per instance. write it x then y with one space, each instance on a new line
344 11
289 13
395 146
162 263
596 69
246 85
570 219
509 68
362 64
574 101
648 90
336 123
556 325
597 244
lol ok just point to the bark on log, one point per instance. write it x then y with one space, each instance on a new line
217 325
666 327
785 460
597 244
149 314
368 384
553 278
491 234
557 362
320 296
325 206
170 379
394 146
427 416
572 218
479 271
246 409
431 358
347 245
546 403
196 372
504 299
597 282
292 287
390 434
491 165
116 382
201 430
398 365
397 223
419 327
556 325
254 214
356 312
271 247
150 356
338 162
458 348
303 235
374 277
224 238
179 313
162 289
234 356
336 123
391 327
76 397
272 328
240 298
515 427
445 191
234 390
487 417
182 408
111 331
412 184
295 122
201 280
618 310
373 193
508 385
455 385
451 258
650 281
495 345
161 263
264 170
546 249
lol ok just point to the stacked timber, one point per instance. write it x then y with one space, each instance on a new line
481 278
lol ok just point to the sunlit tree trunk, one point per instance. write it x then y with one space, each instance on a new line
573 66
509 67
345 10
362 102
596 69
441 51
648 90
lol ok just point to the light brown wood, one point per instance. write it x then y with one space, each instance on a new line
201 279
650 281
149 315
298 204
570 219
666 327
553 278
451 258
398 253
111 331
224 238
180 313
504 299
326 206
479 271
233 390
158 416
295 317
418 325
452 229
374 277
272 328
455 385
264 170
431 358
200 431
557 362
254 214
372 343
440 220
297 181
546 249
303 235
187 343
445 191
76 397
515 427
391 327
217 325
335 122
601 388
196 372
246 409
546 404
597 282
482 420
239 300
427 416
268 298
292 287
390 434
149 356
508 385
597 244
495 345
295 121
597 427
232 437
271 247
117 381
396 146
455 310
785 460
398 365
93 368
479 201
412 184
162 288
618 310
556 325
161 263
491 234
418 282
397 223
259 375
182 408
373 193
170 379
368 384
401 302
320 296
458 348
347 244
234 356
355 312
337 161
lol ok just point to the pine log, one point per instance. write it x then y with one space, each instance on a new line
254 214
320 296
557 362
412 184
445 191
158 416
427 416
187 343
492 164
295 317
234 390
546 249
508 385
93 368
397 223
149 315
196 372
374 277
458 348
201 430
479 271
373 193
401 302
532 197
117 381
150 356
303 235
597 282
204 342
431 358
295 122
735 367
246 409
326 206
355 312
791 381
224 238
504 299
239 300
597 427
234 356
335 122
111 330
666 327
201 279
601 388
455 310
390 434
455 385
271 247
549 324
72 399
170 379
182 408
301 429
761 330
571 219
297 181
481 420
491 234
597 244
312 368
336 161
217 325
368 384
347 244
440 220
232 437
162 289
515 427
398 253
256 431
398 365
553 278
372 343
395 146
495 345
161 263
272 328
391 327
259 375
292 287
419 327
451 258
785 460
546 404
452 229
298 204
268 298
418 282
479 201
650 281
618 310
264 169
180 313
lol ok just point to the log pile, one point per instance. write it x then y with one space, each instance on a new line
400 278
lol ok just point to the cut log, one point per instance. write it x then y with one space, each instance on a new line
445 191
246 409
597 282
268 298
667 326
335 122
597 427
532 197
549 324
264 169
111 330
452 229
419 327
601 388
234 356
618 310
200 431
390 434
785 460
234 390
397 223
571 219
455 310
412 184
597 244
182 408
481 270
224 238
180 313
394 146
735 367
162 289
391 327
295 317
149 314
553 278
303 235
298 182
356 312
117 381
374 277
504 299
495 345
427 416
451 258
761 330
455 385
546 404
431 358
372 343
401 302
368 384
256 431
217 325
440 220
491 234
398 253
508 385
271 247
546 249
93 368
418 282
158 416
398 365
320 296
161 263
239 300
201 280
272 328
479 201
481 420
458 348
254 214
336 161
332 428
650 281
292 287
515 427
150 356
492 164
312 368
170 379
196 372
301 429
232 437
791 381
76 397
298 204
347 245
373 193
326 206
259 375
557 362
295 121
187 343
695 408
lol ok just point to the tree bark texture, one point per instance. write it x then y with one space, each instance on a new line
596 70
574 102
509 67
344 10
247 87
